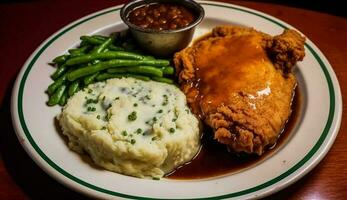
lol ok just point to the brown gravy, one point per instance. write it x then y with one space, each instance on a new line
214 159
220 75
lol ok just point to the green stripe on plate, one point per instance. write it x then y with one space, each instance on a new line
235 194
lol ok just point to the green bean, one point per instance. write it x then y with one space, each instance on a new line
91 40
168 70
73 88
155 63
63 99
56 84
105 76
100 37
148 58
95 62
161 79
117 70
103 38
103 46
59 71
89 79
89 70
76 54
103 56
94 41
55 98
85 71
144 78
84 43
79 51
148 70
61 59
115 35
115 48
75 51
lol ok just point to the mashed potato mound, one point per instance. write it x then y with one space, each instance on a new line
133 127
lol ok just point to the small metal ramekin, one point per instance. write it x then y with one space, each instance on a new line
164 42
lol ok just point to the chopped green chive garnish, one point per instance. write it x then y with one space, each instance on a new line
138 131
98 117
103 128
90 90
132 141
132 116
108 116
166 100
124 133
89 101
156 178
91 109
171 130
135 105
155 119
160 111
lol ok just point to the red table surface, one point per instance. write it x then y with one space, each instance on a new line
24 25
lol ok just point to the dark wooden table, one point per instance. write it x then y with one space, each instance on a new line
25 24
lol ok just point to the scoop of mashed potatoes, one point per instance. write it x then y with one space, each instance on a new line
133 127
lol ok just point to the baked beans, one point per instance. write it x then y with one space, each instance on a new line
161 16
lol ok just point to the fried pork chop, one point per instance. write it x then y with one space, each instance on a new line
240 82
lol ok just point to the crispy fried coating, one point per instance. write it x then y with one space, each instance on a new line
240 82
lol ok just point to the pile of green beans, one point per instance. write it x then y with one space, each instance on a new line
98 58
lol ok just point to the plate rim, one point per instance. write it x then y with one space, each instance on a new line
335 114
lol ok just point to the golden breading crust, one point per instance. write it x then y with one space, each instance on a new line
241 117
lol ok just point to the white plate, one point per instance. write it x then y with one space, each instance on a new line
313 136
